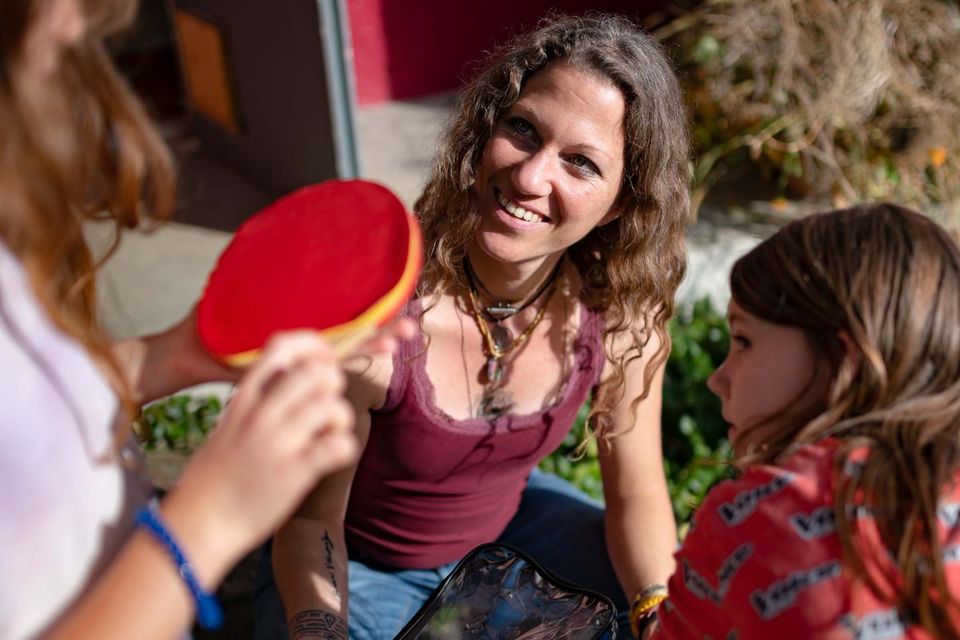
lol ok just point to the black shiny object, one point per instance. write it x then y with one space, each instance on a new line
498 593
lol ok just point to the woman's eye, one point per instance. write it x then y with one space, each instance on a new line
583 164
521 126
741 341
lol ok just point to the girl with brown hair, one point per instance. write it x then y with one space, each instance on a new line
76 145
553 224
842 387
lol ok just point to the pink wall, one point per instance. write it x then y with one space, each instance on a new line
406 48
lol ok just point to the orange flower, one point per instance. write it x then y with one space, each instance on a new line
938 155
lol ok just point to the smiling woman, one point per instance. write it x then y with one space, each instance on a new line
553 229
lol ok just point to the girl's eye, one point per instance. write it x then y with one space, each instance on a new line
740 341
583 164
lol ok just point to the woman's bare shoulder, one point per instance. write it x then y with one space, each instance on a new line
368 378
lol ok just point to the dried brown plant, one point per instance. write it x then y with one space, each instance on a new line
847 99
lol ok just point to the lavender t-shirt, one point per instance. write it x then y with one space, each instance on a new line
66 495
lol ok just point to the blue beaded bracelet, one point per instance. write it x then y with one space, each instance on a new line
209 613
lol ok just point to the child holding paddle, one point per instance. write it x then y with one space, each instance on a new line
842 387
83 556
553 231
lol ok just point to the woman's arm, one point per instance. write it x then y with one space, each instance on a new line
640 527
310 561
163 363
160 364
309 552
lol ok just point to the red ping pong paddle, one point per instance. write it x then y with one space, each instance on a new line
341 257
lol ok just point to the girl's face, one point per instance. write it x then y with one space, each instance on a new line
552 170
769 378
58 24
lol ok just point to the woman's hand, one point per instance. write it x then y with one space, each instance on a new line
286 426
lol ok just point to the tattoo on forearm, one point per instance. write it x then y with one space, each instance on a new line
317 624
328 547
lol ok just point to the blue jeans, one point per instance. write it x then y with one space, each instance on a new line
557 525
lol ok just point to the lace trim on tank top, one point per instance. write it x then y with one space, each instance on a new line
409 368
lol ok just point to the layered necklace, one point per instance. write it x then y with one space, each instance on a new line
498 341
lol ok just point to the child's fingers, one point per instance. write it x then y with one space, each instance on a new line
303 400
385 340
316 424
283 353
402 328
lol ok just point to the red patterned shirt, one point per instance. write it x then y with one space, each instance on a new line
763 560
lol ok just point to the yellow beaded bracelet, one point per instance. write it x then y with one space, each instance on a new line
645 604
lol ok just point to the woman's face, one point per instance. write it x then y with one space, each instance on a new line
769 378
57 25
552 170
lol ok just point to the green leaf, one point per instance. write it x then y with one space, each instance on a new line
178 422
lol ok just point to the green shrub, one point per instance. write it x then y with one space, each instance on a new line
694 433
695 447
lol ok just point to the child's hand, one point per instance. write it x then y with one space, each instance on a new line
385 339
286 426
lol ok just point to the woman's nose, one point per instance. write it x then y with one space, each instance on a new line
532 176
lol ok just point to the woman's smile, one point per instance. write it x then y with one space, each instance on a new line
519 212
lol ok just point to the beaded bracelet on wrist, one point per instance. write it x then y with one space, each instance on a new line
209 613
645 605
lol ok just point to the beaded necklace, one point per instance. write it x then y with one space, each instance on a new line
498 343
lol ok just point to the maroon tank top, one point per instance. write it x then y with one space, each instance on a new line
429 488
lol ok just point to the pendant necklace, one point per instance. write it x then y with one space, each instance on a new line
498 343
502 309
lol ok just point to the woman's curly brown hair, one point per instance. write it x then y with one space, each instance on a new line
631 267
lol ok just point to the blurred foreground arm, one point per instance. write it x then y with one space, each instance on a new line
286 426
